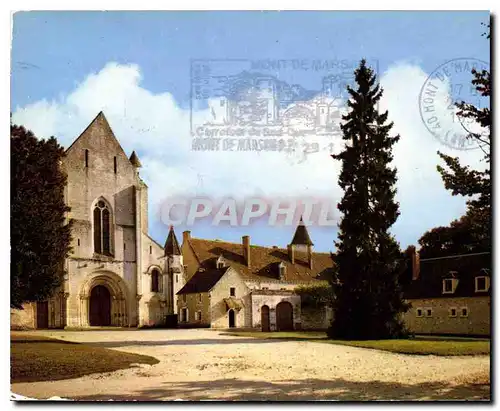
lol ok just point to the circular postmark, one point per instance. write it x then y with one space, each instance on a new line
448 84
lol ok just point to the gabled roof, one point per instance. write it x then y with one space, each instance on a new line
100 121
203 281
301 236
433 271
171 244
264 261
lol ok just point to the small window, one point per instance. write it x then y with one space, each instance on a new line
464 312
232 292
265 288
428 312
184 297
420 312
86 158
150 249
115 167
124 246
176 278
197 315
199 297
481 284
155 281
448 285
78 242
453 312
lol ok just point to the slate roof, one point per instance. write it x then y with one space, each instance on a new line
301 236
264 261
429 284
171 244
203 281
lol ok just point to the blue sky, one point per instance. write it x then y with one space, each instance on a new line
54 53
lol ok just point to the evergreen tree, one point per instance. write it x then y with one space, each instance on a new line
40 239
368 298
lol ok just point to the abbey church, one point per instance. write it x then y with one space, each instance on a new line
116 274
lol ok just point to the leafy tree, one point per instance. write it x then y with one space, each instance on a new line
464 181
39 236
315 295
368 297
463 236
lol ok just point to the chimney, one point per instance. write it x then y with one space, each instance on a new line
246 249
310 256
291 253
186 236
415 263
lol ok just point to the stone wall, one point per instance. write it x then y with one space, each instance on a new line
219 311
259 300
194 303
476 322
24 319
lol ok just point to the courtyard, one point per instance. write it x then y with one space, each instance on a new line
204 364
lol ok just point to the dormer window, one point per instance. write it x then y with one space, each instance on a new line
450 283
482 283
282 269
220 263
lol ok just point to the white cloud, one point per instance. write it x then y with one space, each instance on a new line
155 126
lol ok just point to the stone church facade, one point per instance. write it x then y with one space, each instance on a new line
116 274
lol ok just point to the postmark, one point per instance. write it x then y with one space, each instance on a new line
293 106
447 85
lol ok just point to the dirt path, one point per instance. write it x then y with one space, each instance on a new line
202 364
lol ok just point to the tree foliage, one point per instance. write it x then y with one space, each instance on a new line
368 297
472 232
40 238
315 295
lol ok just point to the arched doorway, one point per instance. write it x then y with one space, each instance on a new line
100 306
232 319
264 318
284 316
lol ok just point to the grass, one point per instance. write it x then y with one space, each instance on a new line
36 358
425 345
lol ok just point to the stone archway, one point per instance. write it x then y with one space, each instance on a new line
284 316
103 301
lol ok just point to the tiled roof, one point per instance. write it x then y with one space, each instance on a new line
429 284
202 281
264 261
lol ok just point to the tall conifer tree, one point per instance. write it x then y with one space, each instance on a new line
368 298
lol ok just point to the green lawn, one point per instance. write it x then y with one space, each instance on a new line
35 358
424 345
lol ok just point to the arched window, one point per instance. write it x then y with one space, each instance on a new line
155 281
102 226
